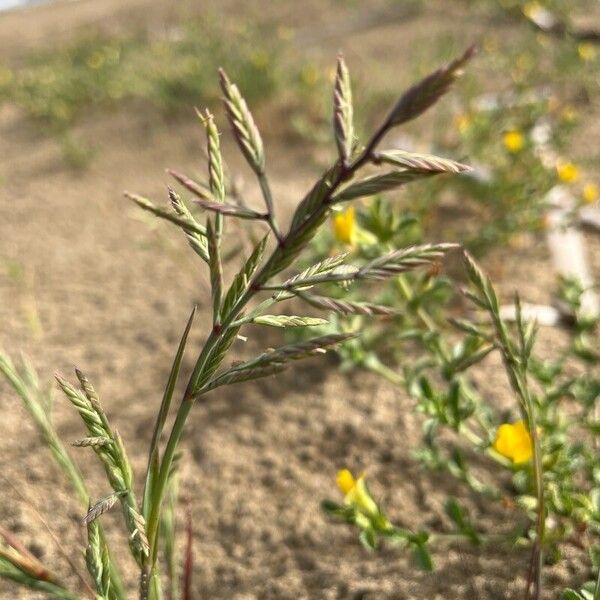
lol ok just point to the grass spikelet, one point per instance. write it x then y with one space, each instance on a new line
242 124
417 99
92 441
348 307
101 506
187 224
343 119
97 561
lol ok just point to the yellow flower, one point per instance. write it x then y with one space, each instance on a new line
590 193
343 226
586 51
567 171
514 442
345 481
514 140
356 493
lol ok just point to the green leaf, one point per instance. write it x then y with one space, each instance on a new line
368 539
288 321
422 557
153 461
329 506
458 515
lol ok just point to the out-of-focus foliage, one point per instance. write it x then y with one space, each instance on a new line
171 70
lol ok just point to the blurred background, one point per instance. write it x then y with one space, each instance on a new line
97 97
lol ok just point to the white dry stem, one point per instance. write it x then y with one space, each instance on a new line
567 248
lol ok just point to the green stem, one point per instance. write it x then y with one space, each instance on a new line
376 366
182 414
268 196
538 555
275 264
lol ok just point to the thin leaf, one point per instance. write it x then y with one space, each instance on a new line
188 565
153 462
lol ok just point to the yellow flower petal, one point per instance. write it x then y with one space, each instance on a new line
514 141
567 171
586 51
345 481
359 496
590 193
343 226
513 441
356 493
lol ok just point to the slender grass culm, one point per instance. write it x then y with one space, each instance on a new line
516 354
254 290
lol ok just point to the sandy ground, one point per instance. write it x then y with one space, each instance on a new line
89 281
